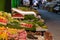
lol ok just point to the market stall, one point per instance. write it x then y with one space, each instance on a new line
24 23
30 28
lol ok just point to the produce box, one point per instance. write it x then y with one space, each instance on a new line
38 36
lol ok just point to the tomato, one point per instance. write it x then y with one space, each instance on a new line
27 25
17 15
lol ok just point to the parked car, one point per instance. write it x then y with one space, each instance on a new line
57 7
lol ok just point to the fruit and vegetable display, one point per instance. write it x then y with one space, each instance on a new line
33 22
17 15
3 20
21 29
30 22
12 34
7 20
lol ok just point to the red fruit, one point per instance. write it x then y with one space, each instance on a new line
0 32
3 21
29 25
17 15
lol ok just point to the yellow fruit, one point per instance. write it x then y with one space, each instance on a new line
12 31
45 27
9 15
2 28
0 13
4 35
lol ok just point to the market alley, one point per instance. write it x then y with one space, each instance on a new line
53 22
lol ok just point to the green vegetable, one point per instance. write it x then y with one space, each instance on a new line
14 25
29 17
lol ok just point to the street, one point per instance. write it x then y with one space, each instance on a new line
52 20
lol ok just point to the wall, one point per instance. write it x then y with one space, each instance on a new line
5 5
2 5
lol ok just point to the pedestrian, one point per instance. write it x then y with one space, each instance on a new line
39 4
21 2
31 3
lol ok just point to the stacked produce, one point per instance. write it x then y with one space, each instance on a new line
12 34
9 28
3 20
6 18
30 22
14 29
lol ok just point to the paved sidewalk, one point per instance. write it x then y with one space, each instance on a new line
53 22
